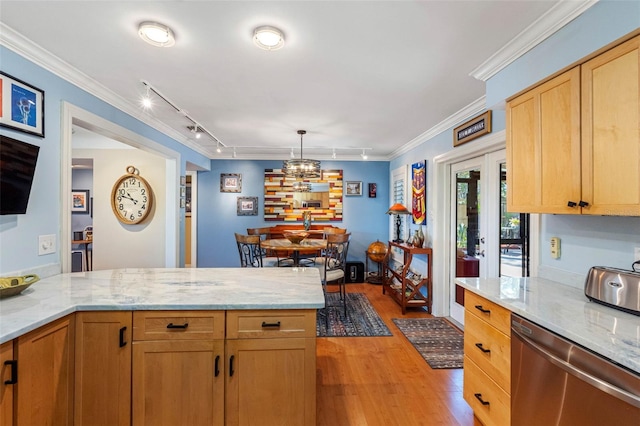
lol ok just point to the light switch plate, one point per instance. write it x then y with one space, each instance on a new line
46 244
555 247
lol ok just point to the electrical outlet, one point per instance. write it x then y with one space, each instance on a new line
555 247
46 244
636 254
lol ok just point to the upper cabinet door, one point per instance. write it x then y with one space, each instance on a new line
611 131
543 147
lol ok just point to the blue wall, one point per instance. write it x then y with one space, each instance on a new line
19 233
364 217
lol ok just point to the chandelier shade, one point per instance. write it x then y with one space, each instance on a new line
301 168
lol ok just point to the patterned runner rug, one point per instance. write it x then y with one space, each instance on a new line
362 320
439 342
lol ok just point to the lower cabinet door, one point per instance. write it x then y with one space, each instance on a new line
44 391
8 369
271 382
178 382
103 368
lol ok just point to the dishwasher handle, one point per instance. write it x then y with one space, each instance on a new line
582 375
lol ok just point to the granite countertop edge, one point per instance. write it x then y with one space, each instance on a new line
566 311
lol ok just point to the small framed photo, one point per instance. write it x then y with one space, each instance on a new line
354 188
230 182
183 191
247 206
373 190
183 180
80 201
183 203
21 106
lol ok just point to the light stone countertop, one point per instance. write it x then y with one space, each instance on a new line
157 289
566 311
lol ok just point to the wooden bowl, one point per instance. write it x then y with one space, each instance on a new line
296 237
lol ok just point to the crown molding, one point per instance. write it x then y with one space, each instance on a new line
470 110
555 18
24 47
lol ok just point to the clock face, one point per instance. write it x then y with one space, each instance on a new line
131 199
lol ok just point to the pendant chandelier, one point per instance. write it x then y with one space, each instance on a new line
301 168
300 186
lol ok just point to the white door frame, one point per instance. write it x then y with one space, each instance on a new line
194 218
443 254
72 114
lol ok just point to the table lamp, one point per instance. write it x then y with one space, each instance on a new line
398 209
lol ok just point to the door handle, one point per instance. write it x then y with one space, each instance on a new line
482 348
14 372
123 343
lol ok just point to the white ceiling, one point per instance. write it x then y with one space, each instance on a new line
372 75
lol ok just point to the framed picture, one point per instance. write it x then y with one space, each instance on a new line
418 193
354 188
21 106
373 190
183 203
230 182
183 191
183 180
474 128
80 201
247 206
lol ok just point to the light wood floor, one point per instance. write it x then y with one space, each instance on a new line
383 380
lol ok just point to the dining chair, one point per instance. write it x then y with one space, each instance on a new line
251 253
269 257
333 230
332 265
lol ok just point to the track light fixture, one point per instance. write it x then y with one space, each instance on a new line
363 155
218 149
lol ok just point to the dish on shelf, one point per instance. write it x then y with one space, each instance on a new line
10 286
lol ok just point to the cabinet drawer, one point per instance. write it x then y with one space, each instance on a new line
489 349
268 324
179 325
488 311
478 387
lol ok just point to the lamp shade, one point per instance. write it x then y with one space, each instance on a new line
398 208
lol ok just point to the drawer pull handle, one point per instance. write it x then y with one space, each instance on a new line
483 310
479 397
482 348
571 204
14 372
231 365
216 368
183 326
123 342
270 324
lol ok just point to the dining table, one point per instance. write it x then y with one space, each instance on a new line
306 246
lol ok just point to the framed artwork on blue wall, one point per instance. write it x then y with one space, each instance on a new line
21 106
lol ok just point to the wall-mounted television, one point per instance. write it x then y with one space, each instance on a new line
17 166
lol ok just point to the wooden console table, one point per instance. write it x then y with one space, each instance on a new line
404 286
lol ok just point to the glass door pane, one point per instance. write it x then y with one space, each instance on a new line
514 236
468 223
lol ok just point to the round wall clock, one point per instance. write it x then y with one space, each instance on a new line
131 197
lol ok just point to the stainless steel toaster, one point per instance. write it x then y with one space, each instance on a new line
617 288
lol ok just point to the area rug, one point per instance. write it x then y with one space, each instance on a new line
439 342
361 320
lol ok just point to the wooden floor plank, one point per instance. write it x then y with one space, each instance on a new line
384 381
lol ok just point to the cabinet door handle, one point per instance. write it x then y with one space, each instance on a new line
483 310
572 204
270 324
183 326
123 343
216 368
231 365
14 372
479 397
482 348
583 203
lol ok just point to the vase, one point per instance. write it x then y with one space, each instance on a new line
306 220
417 239
421 235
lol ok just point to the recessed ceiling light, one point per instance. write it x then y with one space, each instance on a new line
156 34
268 38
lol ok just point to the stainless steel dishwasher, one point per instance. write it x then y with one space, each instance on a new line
556 382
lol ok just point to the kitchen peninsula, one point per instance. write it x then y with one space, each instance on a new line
190 345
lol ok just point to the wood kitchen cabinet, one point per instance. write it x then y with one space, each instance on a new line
44 392
573 144
487 360
7 378
178 368
103 368
271 367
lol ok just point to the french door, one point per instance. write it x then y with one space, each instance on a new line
486 241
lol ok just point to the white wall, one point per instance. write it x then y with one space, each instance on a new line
116 245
